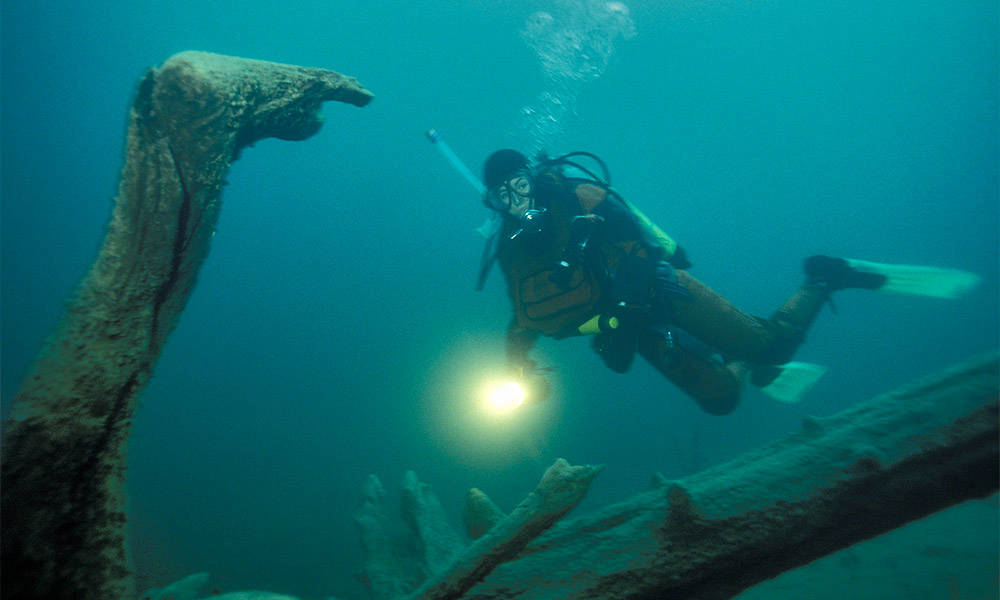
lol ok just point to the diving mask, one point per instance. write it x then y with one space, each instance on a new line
513 196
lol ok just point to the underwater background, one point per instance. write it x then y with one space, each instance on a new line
334 330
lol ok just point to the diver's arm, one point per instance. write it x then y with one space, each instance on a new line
523 369
520 341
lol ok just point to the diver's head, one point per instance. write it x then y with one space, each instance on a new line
508 183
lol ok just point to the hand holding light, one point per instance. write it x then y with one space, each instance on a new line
524 385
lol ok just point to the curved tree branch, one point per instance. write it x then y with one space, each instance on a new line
841 480
63 451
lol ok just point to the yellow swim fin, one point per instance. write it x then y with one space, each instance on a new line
917 280
794 380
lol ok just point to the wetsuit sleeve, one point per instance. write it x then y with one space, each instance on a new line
520 341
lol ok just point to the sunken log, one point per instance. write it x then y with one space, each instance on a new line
840 480
63 450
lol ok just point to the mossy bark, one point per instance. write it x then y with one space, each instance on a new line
64 443
843 479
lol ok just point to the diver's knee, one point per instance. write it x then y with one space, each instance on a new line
720 405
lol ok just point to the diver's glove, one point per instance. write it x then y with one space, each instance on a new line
537 386
679 259
520 366
527 372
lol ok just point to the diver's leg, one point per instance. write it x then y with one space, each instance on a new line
713 385
752 345
739 336
683 308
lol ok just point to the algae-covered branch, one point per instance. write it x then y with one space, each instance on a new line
63 462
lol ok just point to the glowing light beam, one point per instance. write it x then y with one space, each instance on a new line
505 398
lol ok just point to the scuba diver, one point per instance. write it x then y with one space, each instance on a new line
580 259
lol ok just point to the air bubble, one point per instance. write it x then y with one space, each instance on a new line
574 43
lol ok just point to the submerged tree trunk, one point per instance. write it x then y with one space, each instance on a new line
63 450
843 479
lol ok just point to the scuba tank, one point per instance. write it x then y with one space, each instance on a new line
664 240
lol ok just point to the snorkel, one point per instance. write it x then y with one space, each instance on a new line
493 223
435 138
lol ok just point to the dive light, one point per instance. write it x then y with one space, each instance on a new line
504 398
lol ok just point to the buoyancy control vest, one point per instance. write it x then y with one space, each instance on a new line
551 302
542 300
549 294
